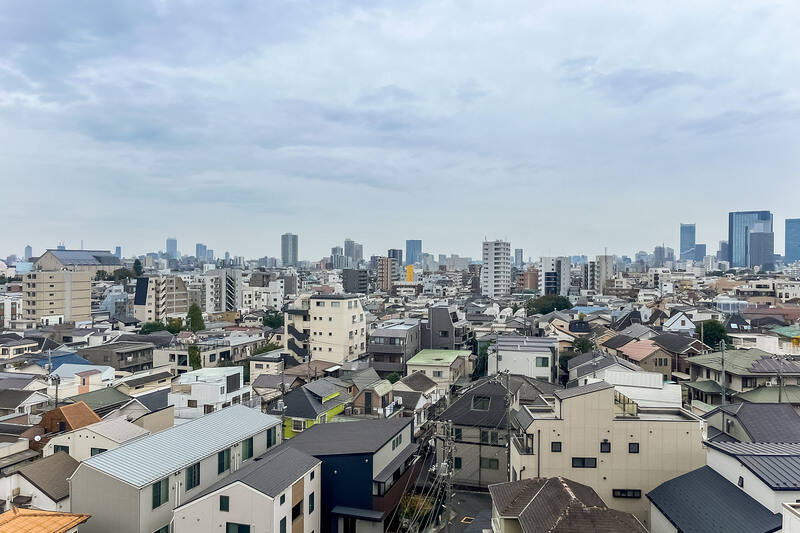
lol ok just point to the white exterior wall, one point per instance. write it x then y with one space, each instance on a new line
522 363
659 522
39 499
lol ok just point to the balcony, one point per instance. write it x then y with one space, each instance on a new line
387 366
523 447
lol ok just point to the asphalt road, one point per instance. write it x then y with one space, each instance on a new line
473 512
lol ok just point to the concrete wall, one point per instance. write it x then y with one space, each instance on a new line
470 450
659 522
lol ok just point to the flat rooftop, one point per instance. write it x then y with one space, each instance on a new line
437 357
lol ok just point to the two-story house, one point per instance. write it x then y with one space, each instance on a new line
442 366
207 390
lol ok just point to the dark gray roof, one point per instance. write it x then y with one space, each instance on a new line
773 366
418 381
410 398
50 474
147 379
12 398
461 411
13 429
156 400
582 358
343 438
580 391
522 418
270 473
776 464
302 403
272 381
764 422
605 361
724 508
617 341
674 342
321 388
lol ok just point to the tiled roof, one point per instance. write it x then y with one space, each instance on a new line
764 422
78 415
50 474
639 350
35 521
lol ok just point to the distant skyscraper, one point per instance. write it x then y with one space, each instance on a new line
413 251
496 269
792 250
210 255
658 256
118 252
350 249
200 252
172 248
29 250
518 257
761 250
397 255
289 249
687 252
227 256
724 253
740 224
359 254
699 252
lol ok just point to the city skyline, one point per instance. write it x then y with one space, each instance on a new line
239 123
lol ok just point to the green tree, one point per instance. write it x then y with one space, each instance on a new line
714 331
394 377
583 345
482 363
121 274
273 319
514 307
194 319
266 348
137 268
101 275
194 357
150 327
174 325
546 304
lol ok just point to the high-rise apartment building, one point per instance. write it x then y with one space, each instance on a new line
792 250
57 296
289 249
518 257
222 290
688 241
355 281
496 269
350 248
172 248
724 253
385 278
397 255
200 251
554 275
413 251
740 224
29 252
158 298
597 272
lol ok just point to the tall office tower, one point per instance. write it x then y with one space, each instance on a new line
118 252
338 259
413 251
350 249
687 252
518 257
724 253
172 248
658 256
699 252
740 224
761 248
554 275
29 250
289 249
227 256
496 269
397 255
792 249
359 254
200 251
210 255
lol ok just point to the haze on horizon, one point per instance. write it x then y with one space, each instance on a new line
564 129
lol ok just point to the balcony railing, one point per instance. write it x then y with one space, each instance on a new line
519 444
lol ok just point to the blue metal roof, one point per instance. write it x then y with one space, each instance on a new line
59 360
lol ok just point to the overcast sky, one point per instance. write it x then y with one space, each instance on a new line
564 127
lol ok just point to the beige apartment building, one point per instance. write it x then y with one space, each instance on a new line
325 327
158 298
57 296
598 437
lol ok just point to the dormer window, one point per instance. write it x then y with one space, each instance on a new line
480 403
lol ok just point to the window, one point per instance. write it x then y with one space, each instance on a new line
298 424
58 448
484 437
555 446
480 403
311 503
740 482
457 433
247 449
160 493
191 403
457 463
230 527
62 426
192 476
494 438
224 503
283 525
605 447
749 382
626 493
541 362
437 373
297 510
584 462
164 529
489 463
633 447
283 499
223 461
95 451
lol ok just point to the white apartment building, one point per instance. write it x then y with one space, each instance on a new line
207 390
270 297
10 308
554 275
525 356
597 272
221 290
496 269
326 327
63 294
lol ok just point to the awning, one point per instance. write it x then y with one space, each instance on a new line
386 474
366 514
21 500
681 376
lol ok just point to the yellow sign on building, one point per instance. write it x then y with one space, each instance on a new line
410 273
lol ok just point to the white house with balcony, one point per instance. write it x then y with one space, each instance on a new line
208 390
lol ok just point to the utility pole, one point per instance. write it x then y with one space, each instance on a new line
448 482
722 349
509 398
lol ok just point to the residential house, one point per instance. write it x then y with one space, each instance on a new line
136 487
527 356
126 356
367 467
444 367
93 439
679 322
18 519
593 365
269 387
753 422
444 329
554 505
278 492
315 402
649 356
392 343
14 401
596 436
419 398
63 419
143 382
270 363
207 390
371 395
103 401
42 484
681 347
